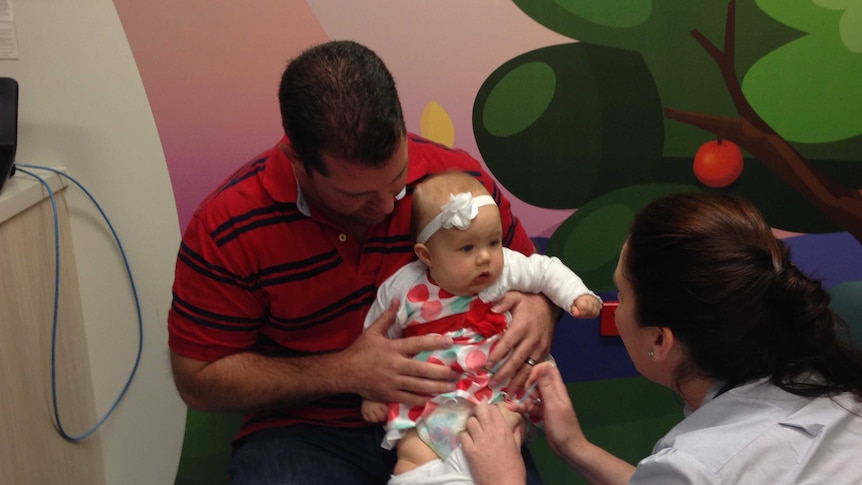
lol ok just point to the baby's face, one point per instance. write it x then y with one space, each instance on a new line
466 262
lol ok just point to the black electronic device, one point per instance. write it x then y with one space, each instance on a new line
8 127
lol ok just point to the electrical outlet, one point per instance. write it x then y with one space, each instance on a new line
607 327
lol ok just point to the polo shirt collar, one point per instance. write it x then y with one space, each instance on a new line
417 167
278 175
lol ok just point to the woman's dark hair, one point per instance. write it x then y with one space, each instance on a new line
708 267
339 98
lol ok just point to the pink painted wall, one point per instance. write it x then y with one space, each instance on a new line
211 71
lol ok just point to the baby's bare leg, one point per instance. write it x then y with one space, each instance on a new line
412 452
516 421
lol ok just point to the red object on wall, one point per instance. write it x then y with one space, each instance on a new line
718 163
607 327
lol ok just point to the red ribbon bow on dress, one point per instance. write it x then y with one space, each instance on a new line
479 318
485 322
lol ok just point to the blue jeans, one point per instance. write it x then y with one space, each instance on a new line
317 455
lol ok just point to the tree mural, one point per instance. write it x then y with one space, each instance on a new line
840 204
611 122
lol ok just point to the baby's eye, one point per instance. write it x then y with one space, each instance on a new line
467 249
495 243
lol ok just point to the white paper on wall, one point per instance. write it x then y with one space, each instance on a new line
6 11
8 43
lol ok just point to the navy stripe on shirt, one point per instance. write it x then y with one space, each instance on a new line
227 323
358 300
218 273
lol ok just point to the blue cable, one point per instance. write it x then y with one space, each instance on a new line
59 424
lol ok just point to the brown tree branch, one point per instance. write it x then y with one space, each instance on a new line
730 34
840 204
726 62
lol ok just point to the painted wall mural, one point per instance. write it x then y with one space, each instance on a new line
612 121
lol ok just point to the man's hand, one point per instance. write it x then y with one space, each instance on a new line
384 370
529 336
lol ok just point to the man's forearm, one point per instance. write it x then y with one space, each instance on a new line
248 381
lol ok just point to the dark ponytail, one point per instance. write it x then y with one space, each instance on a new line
708 267
819 338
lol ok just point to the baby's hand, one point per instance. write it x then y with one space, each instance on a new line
586 306
374 412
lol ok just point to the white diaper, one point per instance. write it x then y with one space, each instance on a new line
441 429
451 471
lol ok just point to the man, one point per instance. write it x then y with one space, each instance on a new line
280 264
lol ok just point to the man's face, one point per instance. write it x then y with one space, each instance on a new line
352 193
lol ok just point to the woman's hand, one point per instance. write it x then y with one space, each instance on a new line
492 448
564 433
554 407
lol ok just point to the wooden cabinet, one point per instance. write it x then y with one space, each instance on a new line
31 448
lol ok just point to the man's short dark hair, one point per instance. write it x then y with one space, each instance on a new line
340 99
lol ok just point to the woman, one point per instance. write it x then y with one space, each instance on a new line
711 306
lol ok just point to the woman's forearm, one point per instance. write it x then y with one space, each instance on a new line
597 465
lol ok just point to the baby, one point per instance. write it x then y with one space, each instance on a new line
462 269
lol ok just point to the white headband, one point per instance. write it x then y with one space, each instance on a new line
458 212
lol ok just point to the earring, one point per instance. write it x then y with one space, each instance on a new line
650 354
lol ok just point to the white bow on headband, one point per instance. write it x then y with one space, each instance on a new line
459 212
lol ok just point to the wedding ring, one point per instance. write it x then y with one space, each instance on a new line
530 362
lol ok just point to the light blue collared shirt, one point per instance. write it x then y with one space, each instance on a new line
759 434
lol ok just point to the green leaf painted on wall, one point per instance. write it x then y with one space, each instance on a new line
586 128
589 241
519 99
610 13
808 90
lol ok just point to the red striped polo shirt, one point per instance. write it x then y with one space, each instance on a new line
255 274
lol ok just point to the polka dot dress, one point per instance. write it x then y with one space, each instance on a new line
475 331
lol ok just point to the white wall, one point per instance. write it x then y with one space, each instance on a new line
83 107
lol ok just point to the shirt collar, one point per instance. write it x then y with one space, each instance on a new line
717 388
278 175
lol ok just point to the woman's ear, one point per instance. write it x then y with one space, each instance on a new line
422 253
663 343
